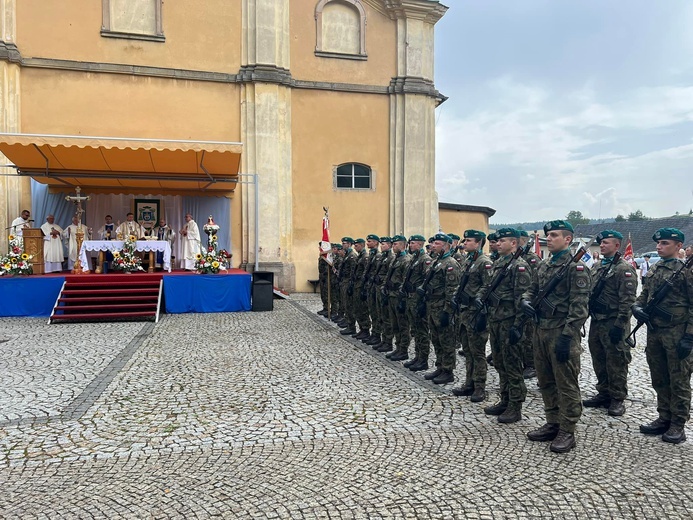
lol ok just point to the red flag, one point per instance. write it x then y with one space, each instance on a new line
537 245
326 246
628 253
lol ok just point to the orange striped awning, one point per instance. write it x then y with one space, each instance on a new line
113 164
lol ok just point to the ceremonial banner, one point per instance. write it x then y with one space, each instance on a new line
147 213
537 245
325 245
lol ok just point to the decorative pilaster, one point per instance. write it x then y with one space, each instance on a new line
413 99
266 133
15 191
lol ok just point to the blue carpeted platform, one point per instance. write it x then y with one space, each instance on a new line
30 296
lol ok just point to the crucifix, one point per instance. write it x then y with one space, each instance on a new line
77 200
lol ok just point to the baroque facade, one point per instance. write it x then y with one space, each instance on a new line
332 100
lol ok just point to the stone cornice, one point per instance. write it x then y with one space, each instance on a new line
412 85
427 10
264 74
9 52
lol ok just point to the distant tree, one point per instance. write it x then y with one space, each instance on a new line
575 217
636 216
620 218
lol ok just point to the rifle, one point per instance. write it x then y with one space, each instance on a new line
550 286
653 305
404 291
460 295
597 305
422 290
480 316
364 290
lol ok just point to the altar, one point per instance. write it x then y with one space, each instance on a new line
150 246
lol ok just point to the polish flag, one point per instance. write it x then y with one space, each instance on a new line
325 245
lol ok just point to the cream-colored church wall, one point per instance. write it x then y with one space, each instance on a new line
381 47
329 129
76 103
453 221
206 37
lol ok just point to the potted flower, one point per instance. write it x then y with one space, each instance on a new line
127 260
16 261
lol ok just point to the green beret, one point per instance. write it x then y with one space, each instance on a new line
373 237
556 225
454 236
359 241
669 233
507 232
523 233
492 237
385 239
348 239
608 233
417 238
443 237
431 239
473 233
338 246
399 238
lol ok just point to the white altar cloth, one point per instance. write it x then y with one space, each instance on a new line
117 245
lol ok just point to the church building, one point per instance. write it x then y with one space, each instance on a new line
260 112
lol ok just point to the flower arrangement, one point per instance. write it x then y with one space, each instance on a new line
127 260
16 261
211 261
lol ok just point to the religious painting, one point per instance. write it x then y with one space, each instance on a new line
147 212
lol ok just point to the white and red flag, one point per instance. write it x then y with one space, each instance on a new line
628 253
537 245
325 244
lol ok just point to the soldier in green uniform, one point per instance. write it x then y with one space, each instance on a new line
398 311
613 293
360 304
387 255
476 272
371 290
441 313
504 316
420 263
346 275
669 337
323 268
455 249
335 307
493 246
561 315
533 260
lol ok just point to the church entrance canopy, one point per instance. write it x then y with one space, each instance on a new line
116 165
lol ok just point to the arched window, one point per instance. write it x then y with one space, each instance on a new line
354 176
340 29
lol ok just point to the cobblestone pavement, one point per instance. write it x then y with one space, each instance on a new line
274 415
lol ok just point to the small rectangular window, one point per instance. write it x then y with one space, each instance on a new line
132 19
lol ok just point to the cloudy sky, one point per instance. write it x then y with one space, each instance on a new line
566 104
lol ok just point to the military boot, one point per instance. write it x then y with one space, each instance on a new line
348 331
436 373
322 313
598 401
421 365
675 434
400 355
374 339
656 427
497 409
479 393
385 347
342 323
617 408
464 390
411 362
444 377
334 318
548 432
365 333
529 373
377 345
563 443
512 414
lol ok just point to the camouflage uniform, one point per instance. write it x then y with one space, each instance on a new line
533 260
400 321
360 304
347 273
612 309
565 313
441 290
671 376
473 343
372 291
335 307
503 313
419 266
323 267
384 310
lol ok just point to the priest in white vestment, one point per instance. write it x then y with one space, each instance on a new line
52 246
108 230
70 236
130 227
21 222
191 242
163 232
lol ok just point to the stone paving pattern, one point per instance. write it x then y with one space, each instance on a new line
274 415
